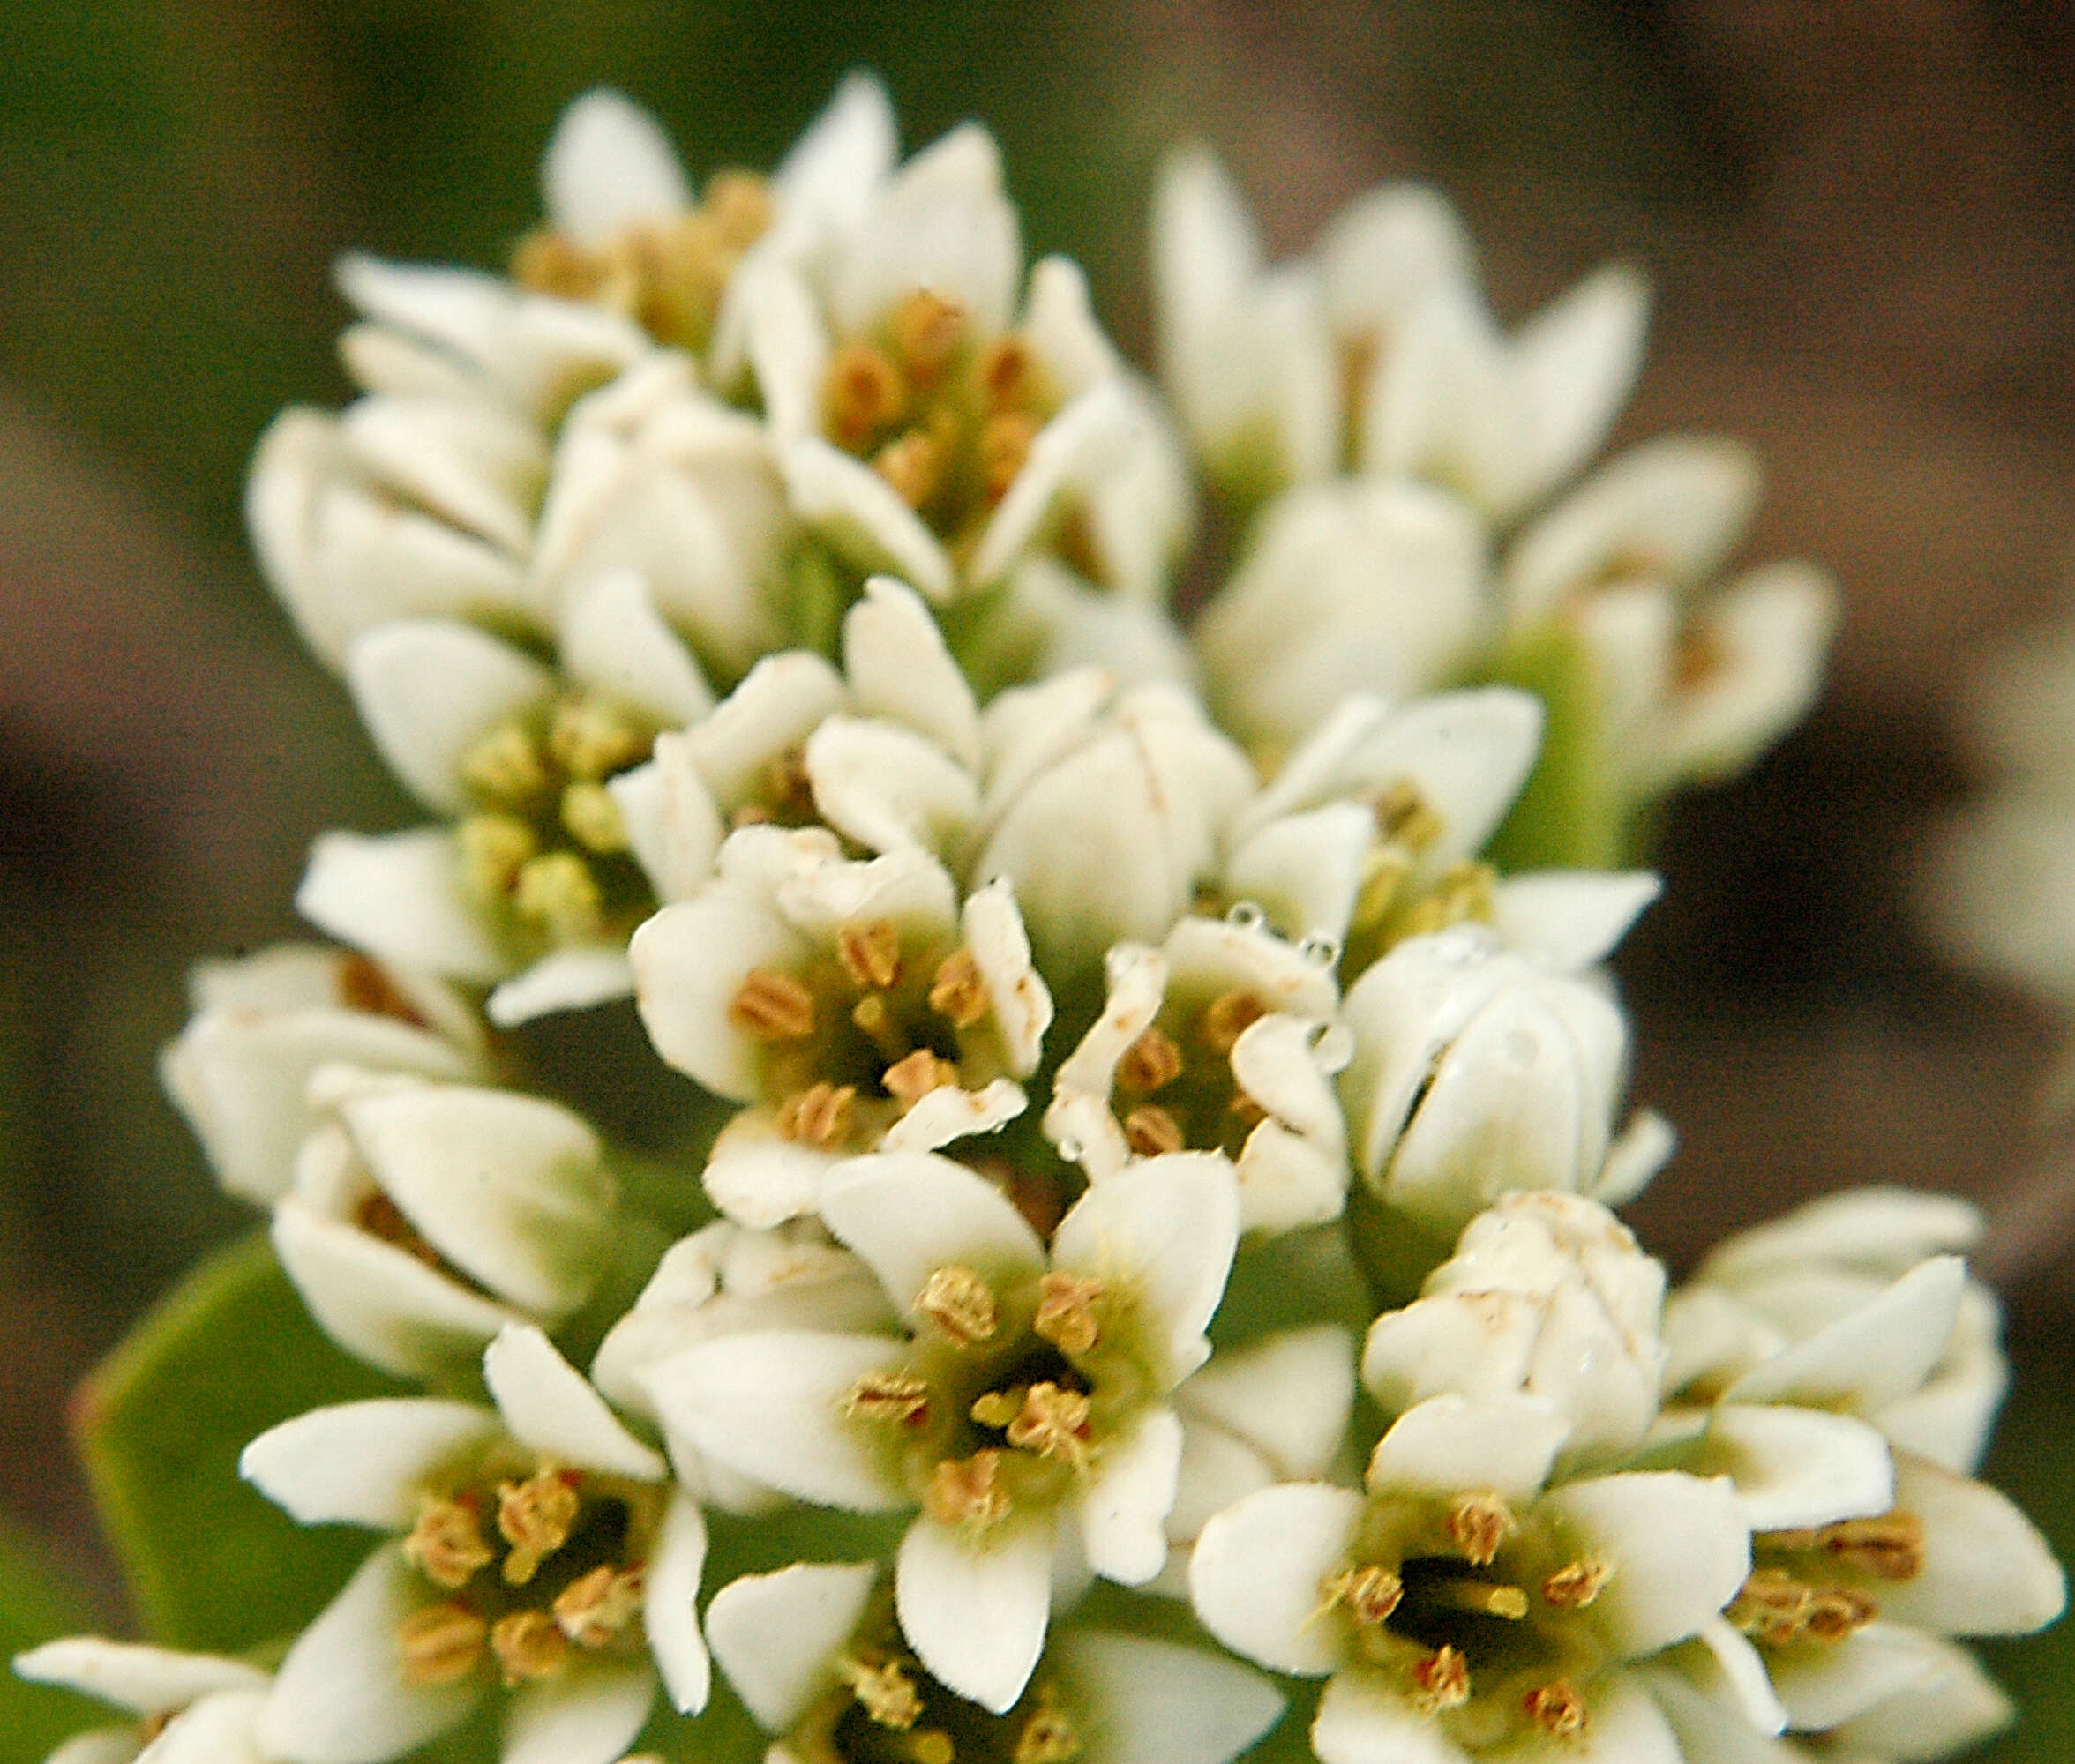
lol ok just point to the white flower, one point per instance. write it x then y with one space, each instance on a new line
1378 354
855 1003
192 1708
1547 1296
1691 681
1030 1407
264 1024
539 1544
814 1652
925 427
1465 1605
423 1217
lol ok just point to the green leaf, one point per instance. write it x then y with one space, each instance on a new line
227 1353
1570 815
36 1604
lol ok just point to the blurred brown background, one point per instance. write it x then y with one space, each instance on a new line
1860 217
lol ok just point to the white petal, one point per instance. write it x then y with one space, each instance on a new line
1016 994
1578 360
1883 1350
1363 1719
587 1715
672 822
1305 870
947 1114
1217 1469
845 154
1797 1466
1822 1686
975 1610
1170 1223
771 1405
1634 1156
1987 1571
1729 1668
1571 919
761 1178
131 1675
1074 448
428 690
1955 1706
776 1635
1678 1546
478 466
1502 1443
610 165
567 980
1467 753
1885 1231
776 707
398 896
1257 1568
670 1604
549 1405
1288 1394
340 1697
362 1463
941 223
908 1213
899 668
863 515
217 1730
690 962
886 786
614 641
1158 1703
1126 1501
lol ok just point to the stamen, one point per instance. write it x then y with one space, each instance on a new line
1442 1680
529 1647
1404 817
772 1007
558 891
739 204
910 1078
381 1217
494 849
1465 894
1369 1593
1150 1130
1048 1736
967 1491
1484 1598
884 1691
590 740
931 1747
1006 372
1150 1063
1556 1708
1838 1612
996 1408
821 1115
1066 1311
535 1518
1227 1018
446 1545
1697 658
1577 1584
505 769
597 1608
913 462
926 329
1005 444
440 1644
861 394
1478 1524
1054 1423
593 819
870 953
1889 1546
958 993
1773 1606
874 1019
960 1303
896 1397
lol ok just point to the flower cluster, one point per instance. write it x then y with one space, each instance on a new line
1140 1161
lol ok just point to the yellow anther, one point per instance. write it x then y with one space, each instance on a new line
1441 1680
364 984
913 463
869 953
926 329
912 1077
960 1303
558 891
529 1646
789 787
1579 1583
1009 376
593 819
1467 893
597 1608
996 1408
739 204
590 740
1003 445
1889 1547
1479 1525
821 1115
1383 873
549 263
1227 1018
1068 1311
446 1544
494 849
862 394
1054 1423
1484 1598
381 1217
440 1644
875 1021
933 1746
1368 1593
967 1491
1837 1612
890 1396
1048 1736
1404 817
1773 1606
505 769
1150 1063
1151 1130
1556 1708
535 1518
958 993
884 1691
772 1006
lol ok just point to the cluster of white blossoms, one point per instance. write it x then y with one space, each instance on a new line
1153 1296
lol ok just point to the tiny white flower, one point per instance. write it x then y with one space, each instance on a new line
540 1546
1465 1604
192 1708
1031 1400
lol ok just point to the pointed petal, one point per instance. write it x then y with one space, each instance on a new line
1678 1546
1256 1571
776 1635
1987 1571
1824 1687
1795 1466
863 515
1578 359
1502 1443
1125 1503
549 1405
899 668
609 166
362 1463
588 1715
670 1604
1164 1704
399 896
1016 993
1955 1706
614 641
133 1676
975 1611
908 1213
1883 1350
1572 919
568 980
217 1730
